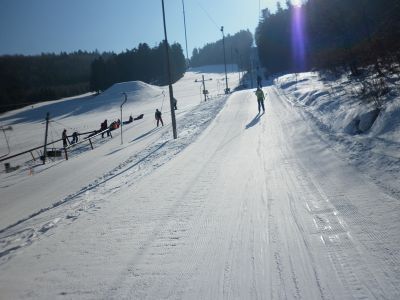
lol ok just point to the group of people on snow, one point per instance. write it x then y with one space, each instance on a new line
104 128
65 139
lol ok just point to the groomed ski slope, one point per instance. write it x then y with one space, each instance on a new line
255 207
23 195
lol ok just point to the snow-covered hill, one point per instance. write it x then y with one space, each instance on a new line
241 206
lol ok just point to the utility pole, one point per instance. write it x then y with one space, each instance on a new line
171 92
45 137
4 129
238 62
251 72
226 76
121 122
184 24
205 92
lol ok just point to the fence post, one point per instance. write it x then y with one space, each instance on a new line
45 137
66 153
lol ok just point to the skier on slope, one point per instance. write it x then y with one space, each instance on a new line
158 117
260 99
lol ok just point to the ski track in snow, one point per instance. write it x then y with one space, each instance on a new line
349 257
226 227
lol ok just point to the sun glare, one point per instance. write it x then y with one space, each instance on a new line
296 2
298 38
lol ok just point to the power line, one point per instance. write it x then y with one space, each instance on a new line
184 23
208 15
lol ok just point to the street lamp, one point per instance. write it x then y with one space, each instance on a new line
226 76
171 92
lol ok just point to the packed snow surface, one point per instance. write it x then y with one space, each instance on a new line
241 205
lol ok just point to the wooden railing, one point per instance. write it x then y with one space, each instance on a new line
89 138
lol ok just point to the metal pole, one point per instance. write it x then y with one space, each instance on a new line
238 62
184 24
120 120
171 92
45 137
5 136
226 76
204 89
203 83
251 72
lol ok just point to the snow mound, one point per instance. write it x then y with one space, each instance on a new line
137 90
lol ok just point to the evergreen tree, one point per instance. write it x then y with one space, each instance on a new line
339 33
236 46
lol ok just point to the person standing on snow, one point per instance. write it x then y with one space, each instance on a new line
104 126
158 117
65 138
175 102
260 99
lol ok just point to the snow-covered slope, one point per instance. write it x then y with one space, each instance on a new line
241 206
24 194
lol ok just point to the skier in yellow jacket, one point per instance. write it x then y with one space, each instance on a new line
260 99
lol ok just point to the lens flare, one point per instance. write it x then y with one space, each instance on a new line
298 38
296 2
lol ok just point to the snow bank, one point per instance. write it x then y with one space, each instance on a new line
369 137
336 105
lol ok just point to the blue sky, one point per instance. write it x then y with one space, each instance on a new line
36 26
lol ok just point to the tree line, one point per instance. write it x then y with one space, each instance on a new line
142 63
339 35
237 51
26 80
29 79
